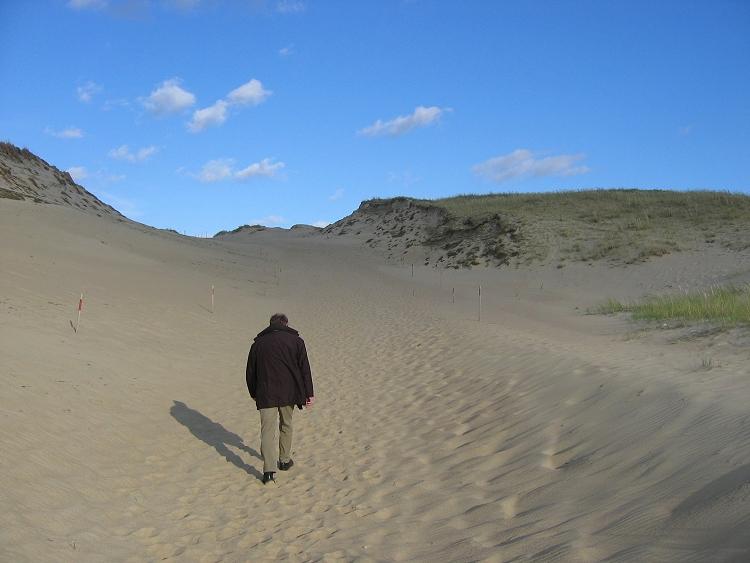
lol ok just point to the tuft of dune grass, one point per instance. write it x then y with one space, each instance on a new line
727 305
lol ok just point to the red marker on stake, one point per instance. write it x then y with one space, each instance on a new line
80 308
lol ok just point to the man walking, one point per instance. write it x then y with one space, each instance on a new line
278 378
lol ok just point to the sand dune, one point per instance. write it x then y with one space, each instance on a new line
25 176
538 434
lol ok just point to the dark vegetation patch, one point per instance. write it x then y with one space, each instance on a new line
242 228
8 194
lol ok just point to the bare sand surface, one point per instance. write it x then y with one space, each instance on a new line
539 433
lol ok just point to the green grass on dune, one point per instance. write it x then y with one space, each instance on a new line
729 305
597 205
618 225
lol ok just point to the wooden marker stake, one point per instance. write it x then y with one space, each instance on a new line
453 295
80 308
212 298
479 307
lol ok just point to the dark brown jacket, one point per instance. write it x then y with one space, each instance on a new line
278 372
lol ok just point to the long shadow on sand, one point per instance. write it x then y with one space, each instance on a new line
215 435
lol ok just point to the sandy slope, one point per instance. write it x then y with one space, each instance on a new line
537 434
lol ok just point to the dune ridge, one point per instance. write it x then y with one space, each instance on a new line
612 226
23 175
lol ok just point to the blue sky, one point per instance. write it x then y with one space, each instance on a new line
202 115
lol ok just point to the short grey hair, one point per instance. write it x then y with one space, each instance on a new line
279 318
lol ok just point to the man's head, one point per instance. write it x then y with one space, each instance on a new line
279 319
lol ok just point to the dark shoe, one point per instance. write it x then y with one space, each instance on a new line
268 476
286 465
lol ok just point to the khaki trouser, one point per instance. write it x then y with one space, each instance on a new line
268 436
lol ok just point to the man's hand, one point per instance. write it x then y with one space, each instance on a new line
309 402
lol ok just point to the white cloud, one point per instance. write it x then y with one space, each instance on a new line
212 115
523 163
87 4
287 51
216 170
263 168
87 91
78 173
123 152
169 97
223 169
338 194
321 224
290 7
251 92
421 117
69 133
